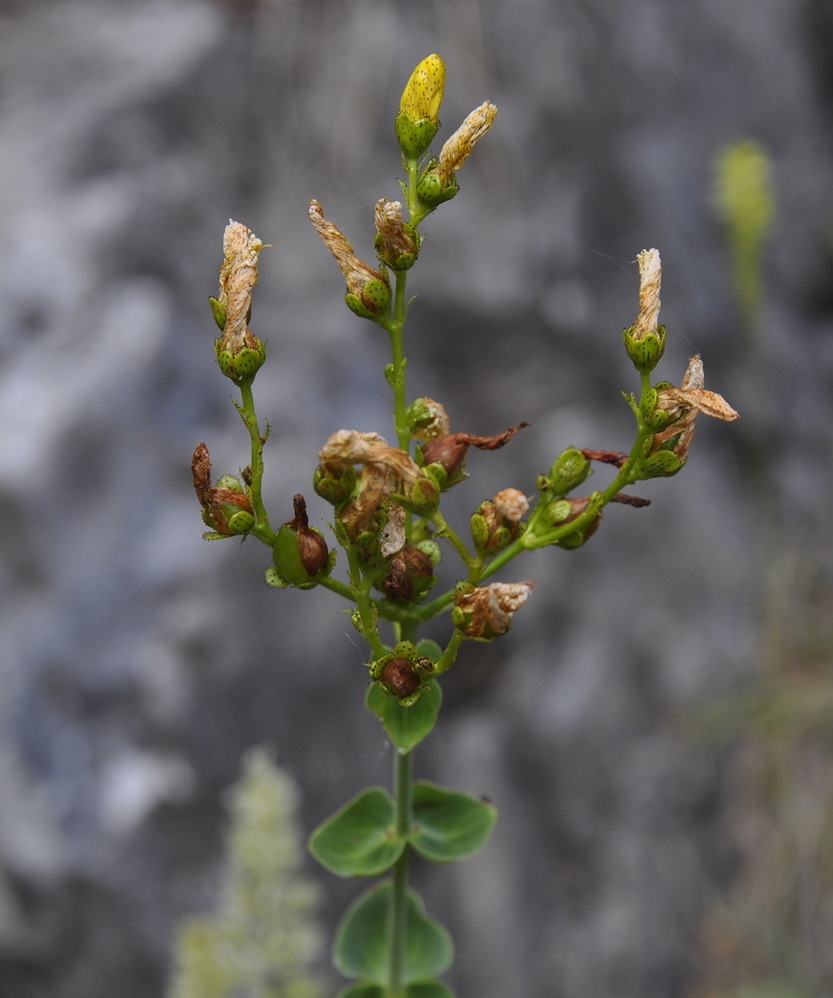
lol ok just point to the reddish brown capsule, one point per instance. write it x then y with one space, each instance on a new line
407 566
400 677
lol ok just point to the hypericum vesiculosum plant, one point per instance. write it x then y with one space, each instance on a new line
390 535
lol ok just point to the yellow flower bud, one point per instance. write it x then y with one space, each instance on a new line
418 118
423 93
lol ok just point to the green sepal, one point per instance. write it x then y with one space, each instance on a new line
405 726
373 303
359 840
242 366
241 522
218 310
272 577
569 470
644 351
479 532
431 192
449 825
660 464
360 948
414 136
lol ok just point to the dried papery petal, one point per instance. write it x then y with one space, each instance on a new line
238 277
396 243
356 272
683 404
486 611
201 474
392 535
511 505
450 450
614 457
650 280
459 146
385 471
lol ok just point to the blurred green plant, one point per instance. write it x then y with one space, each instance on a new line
264 939
745 203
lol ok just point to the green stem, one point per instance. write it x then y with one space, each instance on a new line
360 592
395 328
398 916
248 414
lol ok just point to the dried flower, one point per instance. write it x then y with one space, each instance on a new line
450 450
227 510
238 277
368 290
645 339
385 471
397 243
459 146
485 612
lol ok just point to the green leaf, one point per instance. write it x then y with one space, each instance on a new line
362 991
360 840
360 949
430 649
449 825
424 989
428 989
405 726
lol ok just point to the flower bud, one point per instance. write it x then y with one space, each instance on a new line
300 553
418 118
645 340
568 471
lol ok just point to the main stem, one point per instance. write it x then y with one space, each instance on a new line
399 895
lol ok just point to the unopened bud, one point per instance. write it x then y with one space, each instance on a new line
569 470
418 118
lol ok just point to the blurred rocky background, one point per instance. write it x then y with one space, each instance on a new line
655 731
